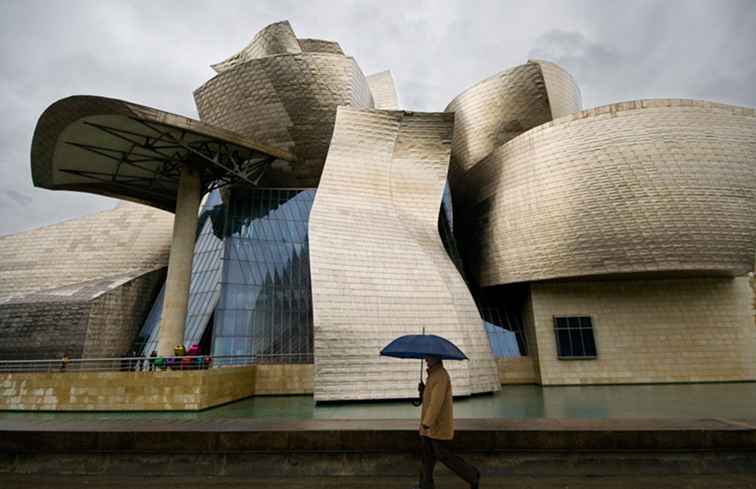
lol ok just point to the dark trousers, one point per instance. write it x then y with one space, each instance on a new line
440 450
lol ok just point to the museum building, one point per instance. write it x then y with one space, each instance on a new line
307 219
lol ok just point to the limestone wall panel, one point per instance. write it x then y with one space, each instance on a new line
649 331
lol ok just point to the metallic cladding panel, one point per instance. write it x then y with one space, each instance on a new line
277 38
289 101
82 286
645 186
131 238
561 89
379 268
116 131
504 106
319 46
383 88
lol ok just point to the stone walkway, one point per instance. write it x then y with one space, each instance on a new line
723 481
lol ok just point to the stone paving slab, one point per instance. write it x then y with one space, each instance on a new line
717 481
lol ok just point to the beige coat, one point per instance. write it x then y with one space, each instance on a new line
437 412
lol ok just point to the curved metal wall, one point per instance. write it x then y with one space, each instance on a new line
383 88
289 101
276 38
644 186
504 106
379 268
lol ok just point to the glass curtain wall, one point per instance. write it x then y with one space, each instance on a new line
250 277
265 306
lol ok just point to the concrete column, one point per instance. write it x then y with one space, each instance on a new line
180 262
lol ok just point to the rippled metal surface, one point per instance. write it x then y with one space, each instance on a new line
379 268
645 186
501 107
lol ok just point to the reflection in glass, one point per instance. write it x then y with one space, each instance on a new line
265 306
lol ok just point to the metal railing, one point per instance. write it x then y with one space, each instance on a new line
148 364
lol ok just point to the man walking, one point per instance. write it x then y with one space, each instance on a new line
437 427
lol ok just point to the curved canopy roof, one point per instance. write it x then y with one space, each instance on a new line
128 151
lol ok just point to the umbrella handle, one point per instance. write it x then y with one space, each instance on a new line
420 399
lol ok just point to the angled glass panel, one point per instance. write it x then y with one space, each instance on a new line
503 342
265 307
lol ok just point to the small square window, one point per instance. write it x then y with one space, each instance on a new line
574 337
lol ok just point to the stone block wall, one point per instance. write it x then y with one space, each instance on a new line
125 391
649 331
517 370
283 379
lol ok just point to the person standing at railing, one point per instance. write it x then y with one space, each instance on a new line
151 361
63 363
135 363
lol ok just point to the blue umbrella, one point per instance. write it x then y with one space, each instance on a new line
421 346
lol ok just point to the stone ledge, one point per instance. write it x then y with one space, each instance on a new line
395 436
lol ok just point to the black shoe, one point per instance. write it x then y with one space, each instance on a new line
476 484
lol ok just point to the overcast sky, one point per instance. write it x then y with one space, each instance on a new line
157 52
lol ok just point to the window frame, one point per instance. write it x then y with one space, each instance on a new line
580 327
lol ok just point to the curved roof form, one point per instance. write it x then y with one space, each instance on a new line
276 38
287 100
661 186
503 106
128 151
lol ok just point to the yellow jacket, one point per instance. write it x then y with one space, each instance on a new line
437 412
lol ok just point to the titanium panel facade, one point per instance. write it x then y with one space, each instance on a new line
276 38
319 46
83 286
383 88
636 187
379 269
288 101
504 106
